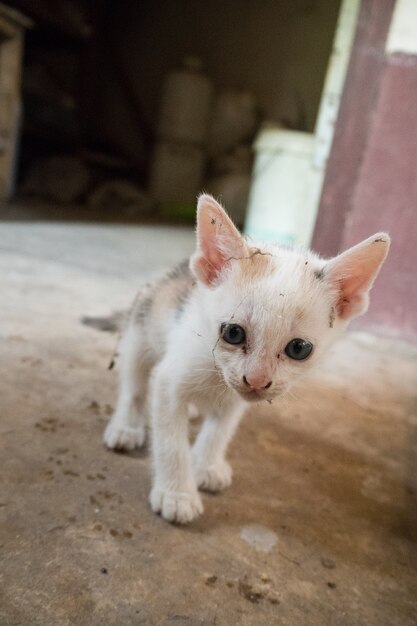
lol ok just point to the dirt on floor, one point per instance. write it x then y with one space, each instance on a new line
318 528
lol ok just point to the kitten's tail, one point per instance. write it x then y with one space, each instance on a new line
110 324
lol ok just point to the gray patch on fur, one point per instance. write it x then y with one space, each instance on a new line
319 274
180 271
109 324
143 309
182 299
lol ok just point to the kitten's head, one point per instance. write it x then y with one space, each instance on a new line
273 311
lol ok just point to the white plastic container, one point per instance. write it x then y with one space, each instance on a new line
290 166
285 187
186 104
176 172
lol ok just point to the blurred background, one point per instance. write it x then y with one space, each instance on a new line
296 114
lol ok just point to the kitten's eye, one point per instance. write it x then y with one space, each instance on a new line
298 349
233 333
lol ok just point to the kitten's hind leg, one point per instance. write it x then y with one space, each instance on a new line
212 471
127 427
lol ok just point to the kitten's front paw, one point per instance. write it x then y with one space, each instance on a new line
124 437
215 477
176 506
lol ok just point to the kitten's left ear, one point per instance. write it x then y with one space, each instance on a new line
218 241
353 273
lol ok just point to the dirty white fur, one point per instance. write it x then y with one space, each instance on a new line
276 295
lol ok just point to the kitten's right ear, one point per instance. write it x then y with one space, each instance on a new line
353 273
218 240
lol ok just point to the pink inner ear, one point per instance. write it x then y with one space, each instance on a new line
353 285
353 296
353 274
218 240
209 266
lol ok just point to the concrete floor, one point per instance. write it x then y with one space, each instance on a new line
318 528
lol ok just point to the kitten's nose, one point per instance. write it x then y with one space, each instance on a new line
257 382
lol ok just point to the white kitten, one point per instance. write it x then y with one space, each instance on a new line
239 323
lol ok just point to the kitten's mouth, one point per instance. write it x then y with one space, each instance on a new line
259 395
254 395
